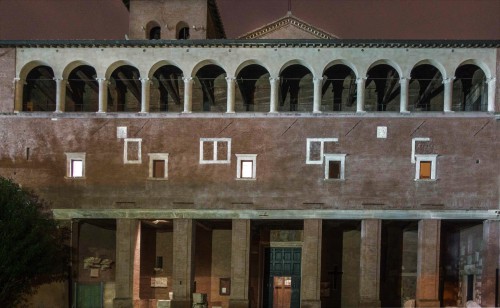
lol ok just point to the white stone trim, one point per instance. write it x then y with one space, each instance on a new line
335 157
413 142
425 157
70 157
152 158
215 159
125 151
309 161
244 157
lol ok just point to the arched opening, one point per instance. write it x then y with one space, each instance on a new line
470 90
254 89
382 89
124 90
339 89
82 90
296 89
210 89
167 90
155 33
182 30
39 91
426 89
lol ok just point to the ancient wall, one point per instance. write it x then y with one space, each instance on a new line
7 74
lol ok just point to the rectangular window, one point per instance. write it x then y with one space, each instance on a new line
315 149
335 166
215 150
425 166
425 169
246 166
132 151
75 165
158 166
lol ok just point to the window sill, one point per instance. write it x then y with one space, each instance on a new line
425 180
157 179
245 179
334 180
75 178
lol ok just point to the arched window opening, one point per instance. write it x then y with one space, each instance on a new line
426 90
124 90
339 89
82 90
296 89
183 33
39 92
210 89
470 90
155 33
382 89
167 90
254 89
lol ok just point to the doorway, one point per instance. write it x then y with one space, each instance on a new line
282 276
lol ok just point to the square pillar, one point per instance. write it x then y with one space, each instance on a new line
183 263
369 267
126 236
429 236
240 263
491 254
311 264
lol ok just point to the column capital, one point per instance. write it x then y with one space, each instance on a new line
361 80
187 79
16 79
404 79
273 79
144 79
230 78
57 79
491 79
448 79
100 79
316 79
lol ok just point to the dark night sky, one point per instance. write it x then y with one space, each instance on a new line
371 19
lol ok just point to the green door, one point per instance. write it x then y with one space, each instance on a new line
88 295
282 276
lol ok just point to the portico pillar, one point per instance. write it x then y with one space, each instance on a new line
404 82
491 253
369 268
360 93
491 93
311 263
126 236
183 263
429 235
188 94
273 106
230 94
318 84
145 83
60 94
448 93
240 263
18 99
103 95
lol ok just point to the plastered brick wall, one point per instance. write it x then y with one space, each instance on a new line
7 74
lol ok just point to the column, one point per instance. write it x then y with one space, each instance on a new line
103 95
429 235
240 263
231 82
145 83
491 253
18 98
183 263
318 84
369 268
188 94
273 106
311 263
360 93
491 93
404 82
60 94
448 93
126 235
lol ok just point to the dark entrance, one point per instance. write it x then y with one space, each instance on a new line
282 277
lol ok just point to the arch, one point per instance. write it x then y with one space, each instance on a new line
296 87
209 88
71 66
426 89
115 65
182 31
391 63
339 90
166 88
296 62
434 63
28 67
470 89
478 63
82 90
250 62
203 63
382 87
39 90
254 88
159 64
124 90
343 62
152 28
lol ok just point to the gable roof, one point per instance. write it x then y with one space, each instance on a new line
288 20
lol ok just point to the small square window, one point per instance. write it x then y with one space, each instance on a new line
425 166
246 166
215 150
335 166
132 151
158 166
75 165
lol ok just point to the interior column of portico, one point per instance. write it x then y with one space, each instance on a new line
240 263
318 84
360 100
491 93
448 93
126 236
145 84
369 273
274 82
188 94
60 94
311 263
429 236
491 253
183 262
18 99
404 82
103 95
231 85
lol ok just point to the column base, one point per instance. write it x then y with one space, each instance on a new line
427 303
404 112
360 111
123 303
369 304
239 303
187 112
180 303
310 304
